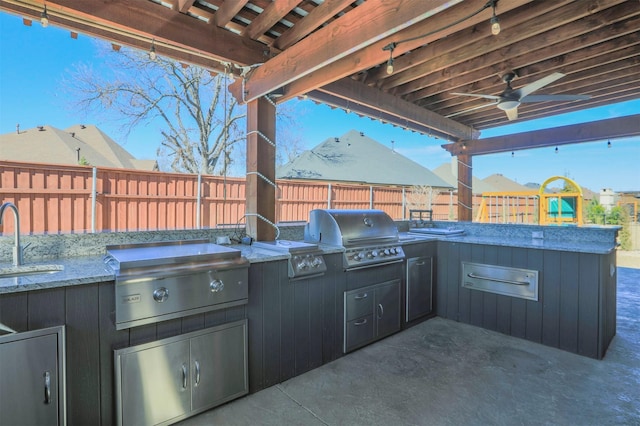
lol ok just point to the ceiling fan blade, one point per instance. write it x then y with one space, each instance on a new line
472 109
546 98
478 95
538 84
512 114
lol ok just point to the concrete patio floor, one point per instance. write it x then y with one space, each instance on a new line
441 372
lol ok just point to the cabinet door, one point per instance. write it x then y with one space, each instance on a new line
387 309
29 381
419 287
155 384
219 366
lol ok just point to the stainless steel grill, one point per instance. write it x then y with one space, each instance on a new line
160 281
369 237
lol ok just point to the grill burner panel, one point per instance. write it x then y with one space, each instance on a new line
306 259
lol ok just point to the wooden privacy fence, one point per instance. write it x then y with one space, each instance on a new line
64 199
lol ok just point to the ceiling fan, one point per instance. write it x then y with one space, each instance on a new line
510 99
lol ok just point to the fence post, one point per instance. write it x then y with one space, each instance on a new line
404 203
198 201
329 196
370 197
93 199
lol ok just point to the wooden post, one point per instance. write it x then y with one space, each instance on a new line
261 164
465 190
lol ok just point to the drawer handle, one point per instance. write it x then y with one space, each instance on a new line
361 296
360 322
47 387
498 280
381 309
421 263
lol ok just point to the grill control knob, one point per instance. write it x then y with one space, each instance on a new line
357 257
316 262
370 255
387 252
160 294
375 253
216 286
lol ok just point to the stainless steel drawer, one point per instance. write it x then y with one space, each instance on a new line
359 332
514 282
358 303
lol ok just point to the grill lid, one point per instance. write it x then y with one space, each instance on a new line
168 254
350 228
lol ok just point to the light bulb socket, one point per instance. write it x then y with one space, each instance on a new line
152 51
495 25
44 17
495 22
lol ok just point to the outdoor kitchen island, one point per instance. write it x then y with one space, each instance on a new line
575 310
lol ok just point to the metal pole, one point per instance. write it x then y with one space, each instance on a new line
199 200
93 199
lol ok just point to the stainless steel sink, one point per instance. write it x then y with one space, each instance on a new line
23 270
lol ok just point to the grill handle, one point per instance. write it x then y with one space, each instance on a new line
375 265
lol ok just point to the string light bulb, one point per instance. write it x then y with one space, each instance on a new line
152 52
390 47
556 150
513 154
608 144
44 18
495 22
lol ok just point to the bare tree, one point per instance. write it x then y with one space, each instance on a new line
201 121
420 197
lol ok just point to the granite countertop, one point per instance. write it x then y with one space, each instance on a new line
91 269
537 243
81 257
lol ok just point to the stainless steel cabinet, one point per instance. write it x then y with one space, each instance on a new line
32 378
371 313
419 287
168 380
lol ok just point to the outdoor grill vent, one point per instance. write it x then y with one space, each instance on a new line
41 128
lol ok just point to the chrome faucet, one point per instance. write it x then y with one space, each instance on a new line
17 250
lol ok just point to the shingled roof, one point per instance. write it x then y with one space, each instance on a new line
449 173
354 157
47 144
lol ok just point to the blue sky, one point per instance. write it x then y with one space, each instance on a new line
33 61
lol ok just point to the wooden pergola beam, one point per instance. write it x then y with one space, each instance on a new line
135 21
368 23
612 128
378 104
